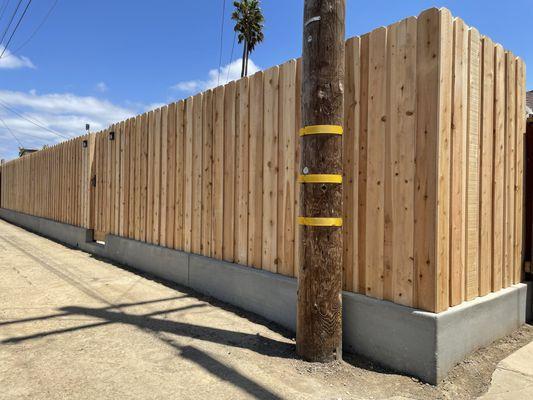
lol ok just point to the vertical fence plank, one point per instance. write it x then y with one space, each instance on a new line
270 167
487 158
377 97
255 177
197 152
229 172
519 169
444 170
472 178
286 169
132 167
145 149
163 180
402 128
218 173
179 216
510 154
458 163
157 176
188 171
351 162
171 175
498 182
207 174
297 159
426 153
150 178
241 171
362 173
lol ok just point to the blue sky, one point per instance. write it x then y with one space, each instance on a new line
102 61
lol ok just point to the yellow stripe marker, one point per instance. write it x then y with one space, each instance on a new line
320 178
321 130
315 221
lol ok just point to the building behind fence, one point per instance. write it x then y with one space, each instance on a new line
433 168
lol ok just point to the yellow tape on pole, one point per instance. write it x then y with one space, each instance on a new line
315 221
320 178
321 130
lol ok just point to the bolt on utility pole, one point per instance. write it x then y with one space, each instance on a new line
319 324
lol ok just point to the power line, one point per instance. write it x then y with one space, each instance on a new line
4 8
10 131
14 30
38 27
231 57
10 21
221 40
33 122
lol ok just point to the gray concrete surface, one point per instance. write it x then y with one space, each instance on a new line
513 377
421 344
477 323
165 263
270 295
69 234
73 326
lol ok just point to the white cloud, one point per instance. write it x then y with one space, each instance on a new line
101 87
153 106
65 113
226 74
11 61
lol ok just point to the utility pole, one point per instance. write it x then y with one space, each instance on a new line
319 324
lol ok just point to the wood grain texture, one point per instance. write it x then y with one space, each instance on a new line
269 258
242 139
425 229
375 173
255 172
487 167
499 170
229 173
458 163
218 173
510 163
207 175
350 160
401 149
196 181
286 169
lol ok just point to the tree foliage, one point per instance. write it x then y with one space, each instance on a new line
249 20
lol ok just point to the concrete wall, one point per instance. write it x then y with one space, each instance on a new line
418 343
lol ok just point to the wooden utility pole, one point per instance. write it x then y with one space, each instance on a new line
319 325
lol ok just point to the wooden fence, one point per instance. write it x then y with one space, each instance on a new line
433 168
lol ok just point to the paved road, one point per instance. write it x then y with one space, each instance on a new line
72 326
75 327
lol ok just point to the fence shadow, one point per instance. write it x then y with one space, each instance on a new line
148 322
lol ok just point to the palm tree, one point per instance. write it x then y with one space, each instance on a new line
249 24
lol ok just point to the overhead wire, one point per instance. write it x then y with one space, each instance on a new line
10 22
33 122
11 132
221 40
231 57
38 27
16 27
4 8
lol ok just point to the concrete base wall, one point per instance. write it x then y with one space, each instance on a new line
69 234
418 343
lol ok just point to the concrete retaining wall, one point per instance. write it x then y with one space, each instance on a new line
414 342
